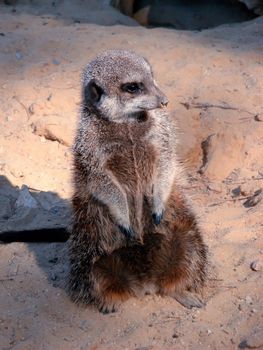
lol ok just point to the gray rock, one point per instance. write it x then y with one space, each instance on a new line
248 300
50 201
259 117
257 265
19 55
5 208
55 61
253 341
25 199
22 218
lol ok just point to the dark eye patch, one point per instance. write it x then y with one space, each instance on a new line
132 88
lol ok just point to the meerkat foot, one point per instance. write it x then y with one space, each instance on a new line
108 307
188 299
157 218
128 232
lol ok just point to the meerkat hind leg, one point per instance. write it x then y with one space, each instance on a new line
108 307
113 283
188 299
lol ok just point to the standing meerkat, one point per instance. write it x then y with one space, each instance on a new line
133 231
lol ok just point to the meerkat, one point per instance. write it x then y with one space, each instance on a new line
133 231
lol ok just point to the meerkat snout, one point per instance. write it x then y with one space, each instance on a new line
162 98
164 101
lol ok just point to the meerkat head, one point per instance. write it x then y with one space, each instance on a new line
118 84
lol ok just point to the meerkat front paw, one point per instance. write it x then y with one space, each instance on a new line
123 222
188 299
157 217
158 210
108 307
127 232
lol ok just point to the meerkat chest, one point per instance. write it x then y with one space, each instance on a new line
132 160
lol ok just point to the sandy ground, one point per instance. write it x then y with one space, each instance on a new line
214 82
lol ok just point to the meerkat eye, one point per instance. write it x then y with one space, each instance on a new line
132 88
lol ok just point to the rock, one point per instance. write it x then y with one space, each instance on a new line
7 189
222 153
21 210
53 130
215 187
259 117
17 173
206 146
178 15
31 109
5 208
50 201
55 61
233 176
246 190
236 192
19 55
25 199
142 16
255 5
175 335
22 217
253 341
255 199
257 265
243 190
248 300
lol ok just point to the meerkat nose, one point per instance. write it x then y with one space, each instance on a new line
164 101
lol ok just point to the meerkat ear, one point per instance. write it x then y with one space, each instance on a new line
93 92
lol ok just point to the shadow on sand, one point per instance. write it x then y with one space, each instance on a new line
47 240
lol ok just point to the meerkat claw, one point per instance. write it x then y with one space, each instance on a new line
157 218
128 232
108 308
189 300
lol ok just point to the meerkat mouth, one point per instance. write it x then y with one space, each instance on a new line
140 117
